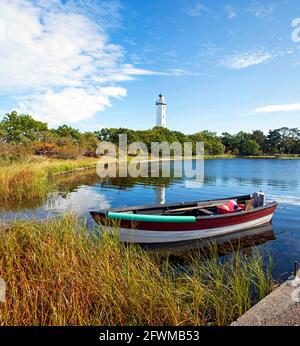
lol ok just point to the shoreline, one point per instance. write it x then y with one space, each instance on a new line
206 157
279 308
29 180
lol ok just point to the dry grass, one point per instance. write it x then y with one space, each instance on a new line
22 183
29 180
58 273
10 154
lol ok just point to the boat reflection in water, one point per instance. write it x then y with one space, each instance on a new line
244 240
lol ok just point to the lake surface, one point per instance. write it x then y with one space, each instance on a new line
279 179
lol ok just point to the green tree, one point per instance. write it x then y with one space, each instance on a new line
274 141
295 145
288 138
249 147
90 140
229 141
259 137
212 143
18 128
65 131
104 135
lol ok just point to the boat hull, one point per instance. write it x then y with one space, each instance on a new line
128 235
203 228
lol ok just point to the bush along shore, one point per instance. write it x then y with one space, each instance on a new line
58 273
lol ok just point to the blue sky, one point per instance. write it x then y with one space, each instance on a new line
223 65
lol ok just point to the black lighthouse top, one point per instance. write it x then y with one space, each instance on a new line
161 100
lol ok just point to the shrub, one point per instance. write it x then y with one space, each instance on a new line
90 153
67 151
10 153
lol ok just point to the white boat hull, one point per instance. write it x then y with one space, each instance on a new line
127 235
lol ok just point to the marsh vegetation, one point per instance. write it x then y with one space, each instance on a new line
59 273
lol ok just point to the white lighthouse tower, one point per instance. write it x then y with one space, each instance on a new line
161 111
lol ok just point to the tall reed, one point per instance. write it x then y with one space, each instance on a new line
58 273
22 183
29 180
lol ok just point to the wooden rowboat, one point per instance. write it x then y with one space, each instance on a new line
186 221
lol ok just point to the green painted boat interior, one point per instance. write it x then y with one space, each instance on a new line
150 218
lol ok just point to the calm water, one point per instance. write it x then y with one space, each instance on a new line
279 179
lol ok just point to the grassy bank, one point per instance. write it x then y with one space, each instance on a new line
57 273
29 180
22 182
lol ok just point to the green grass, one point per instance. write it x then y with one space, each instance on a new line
58 273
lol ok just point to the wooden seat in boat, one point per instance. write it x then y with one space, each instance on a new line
188 210
206 211
199 206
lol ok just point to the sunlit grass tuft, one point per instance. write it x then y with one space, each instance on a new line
22 183
29 181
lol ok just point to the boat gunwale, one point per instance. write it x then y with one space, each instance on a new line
162 206
237 213
204 217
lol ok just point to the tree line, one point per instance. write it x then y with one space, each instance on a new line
68 142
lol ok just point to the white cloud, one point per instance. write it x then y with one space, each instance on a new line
2 31
58 61
209 50
182 72
70 105
288 107
196 10
81 201
240 61
230 11
261 10
45 49
279 108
